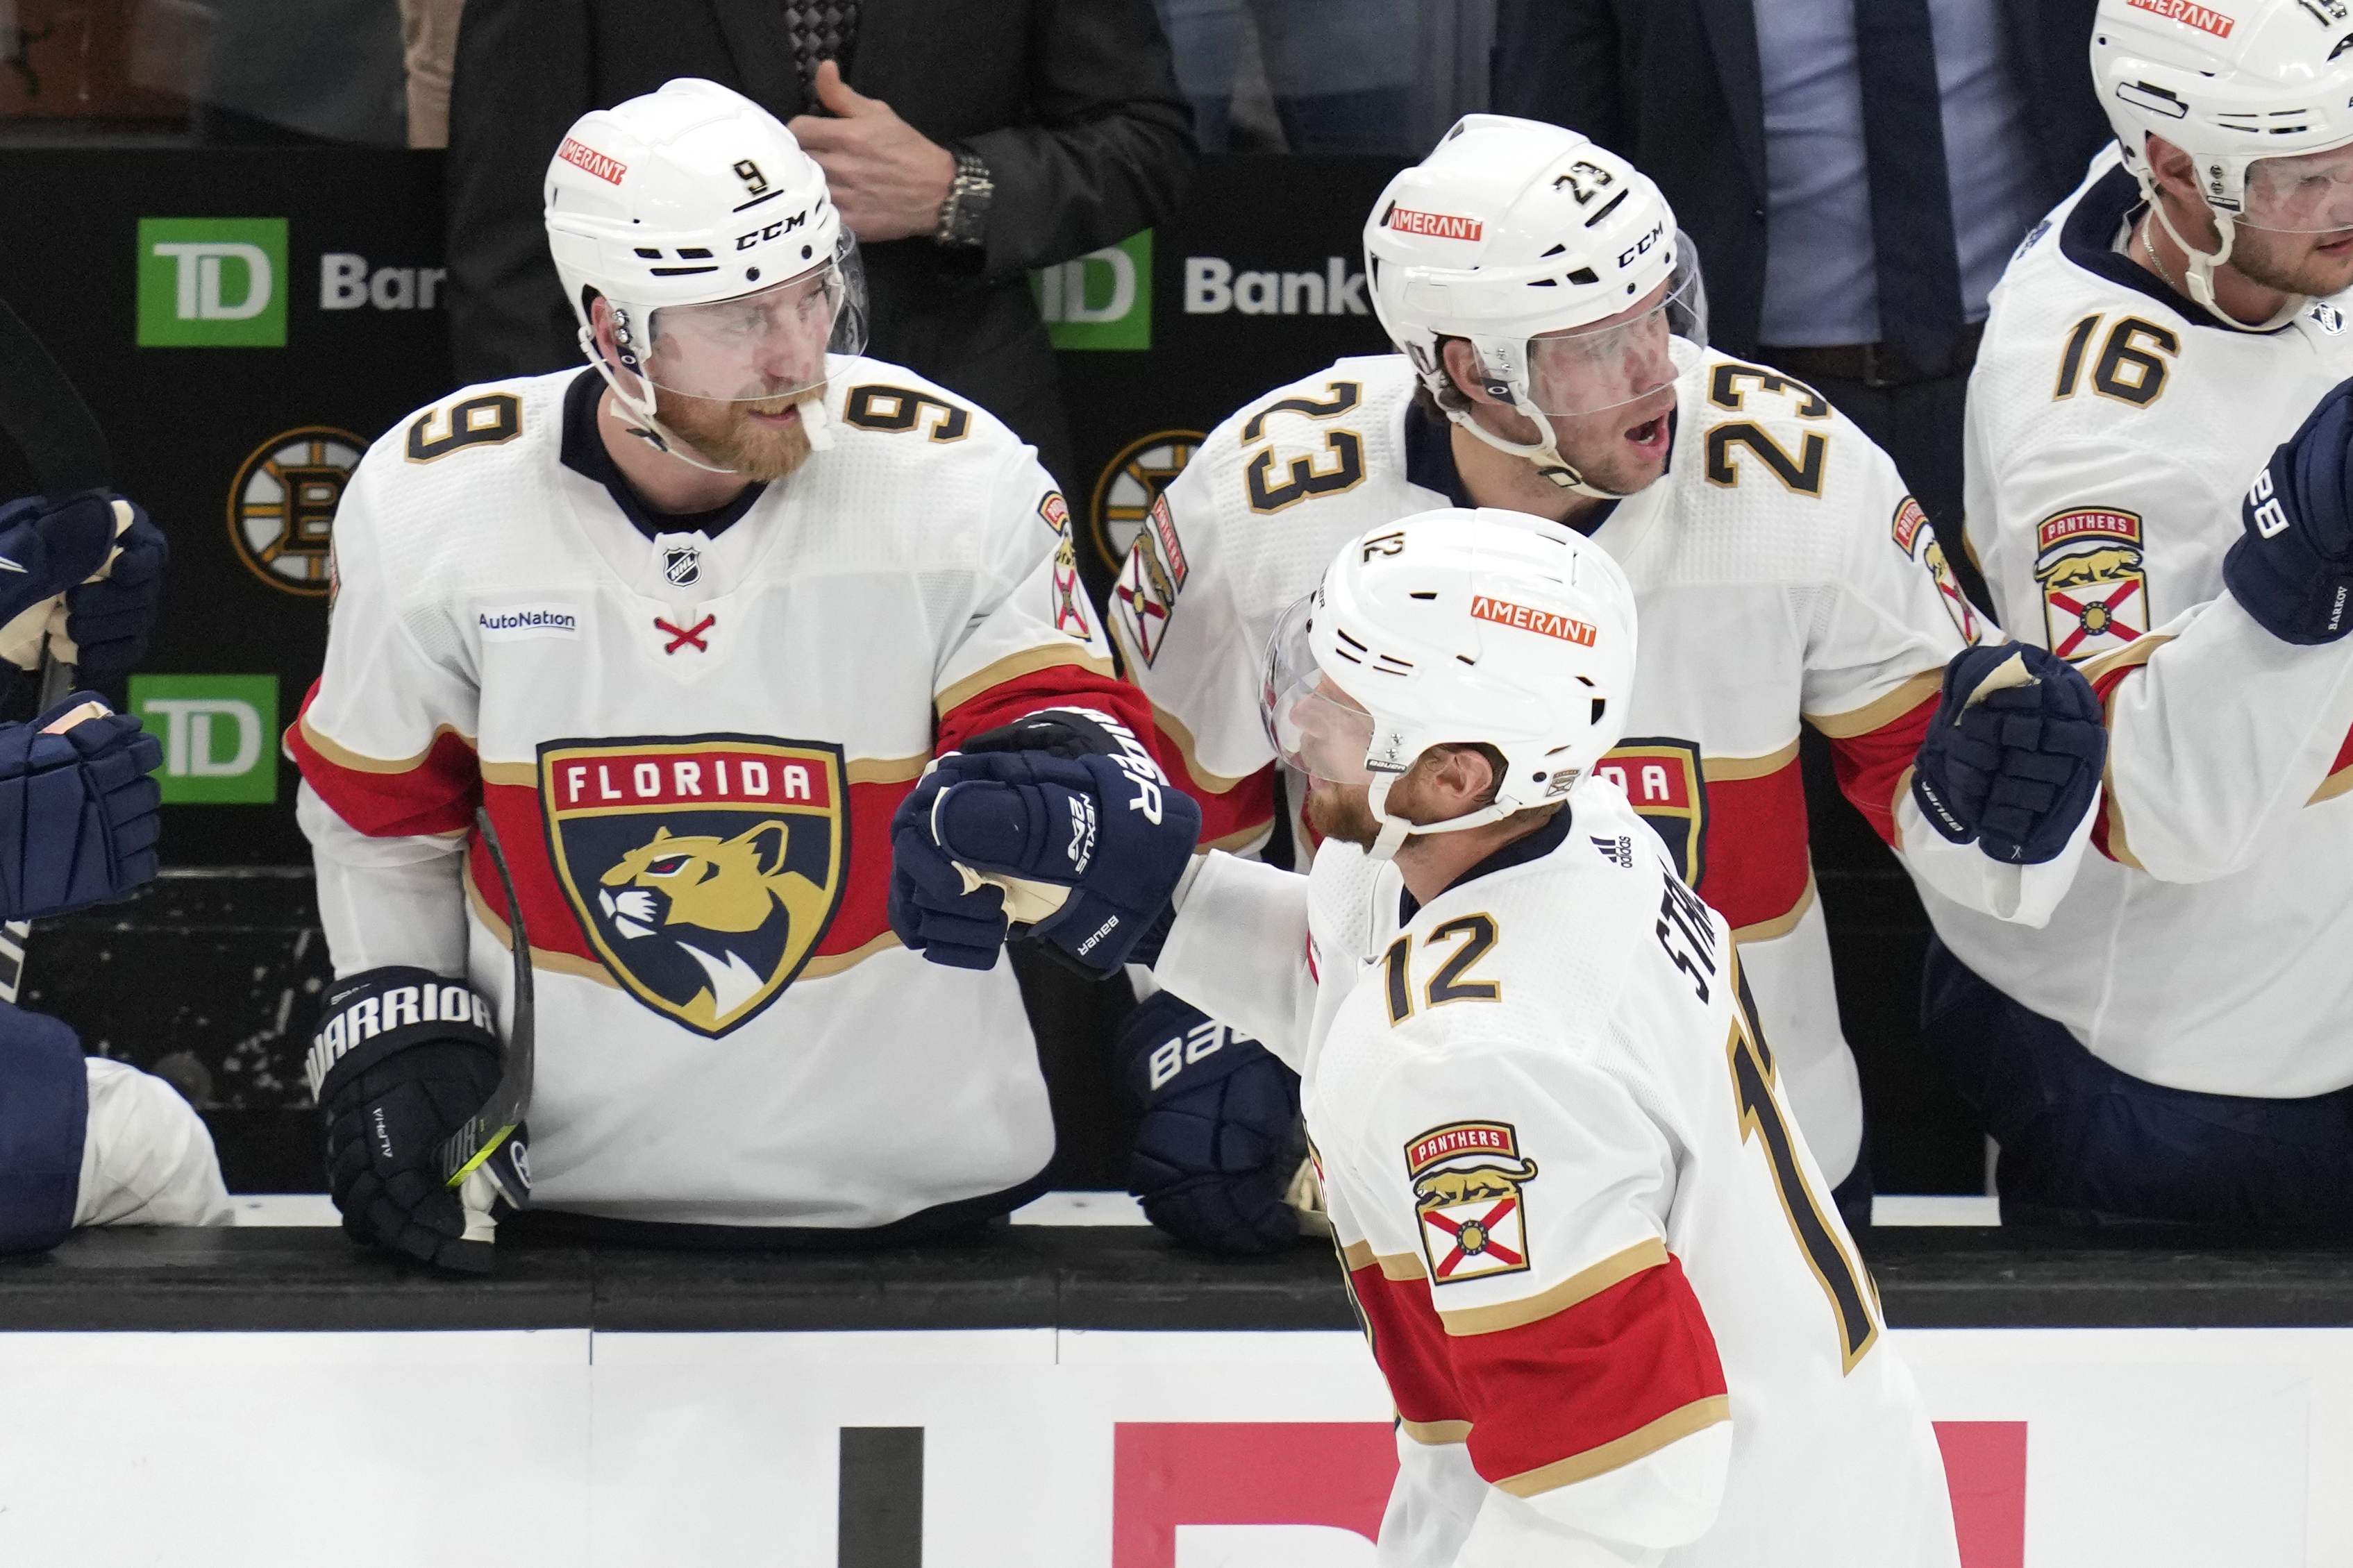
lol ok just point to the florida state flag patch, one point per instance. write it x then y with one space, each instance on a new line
2094 591
1467 1177
703 868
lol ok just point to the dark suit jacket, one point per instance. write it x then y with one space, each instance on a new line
1674 85
1073 103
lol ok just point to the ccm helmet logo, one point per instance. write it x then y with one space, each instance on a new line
1642 245
782 226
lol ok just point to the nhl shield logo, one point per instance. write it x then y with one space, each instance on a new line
1467 1177
1664 785
704 868
2094 591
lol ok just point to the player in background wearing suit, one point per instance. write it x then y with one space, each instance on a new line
1551 328
2172 1046
691 622
83 1139
1617 1313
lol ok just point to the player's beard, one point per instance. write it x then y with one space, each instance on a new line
2293 263
1343 812
726 434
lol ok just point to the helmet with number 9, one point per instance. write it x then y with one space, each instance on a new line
1539 247
710 236
1454 627
2254 97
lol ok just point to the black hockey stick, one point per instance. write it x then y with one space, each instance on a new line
44 415
464 1150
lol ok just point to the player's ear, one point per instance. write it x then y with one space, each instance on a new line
2176 175
1462 369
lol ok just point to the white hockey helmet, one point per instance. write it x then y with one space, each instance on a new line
2261 99
1540 248
712 236
1452 627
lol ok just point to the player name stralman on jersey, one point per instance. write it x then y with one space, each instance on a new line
1597 1264
693 743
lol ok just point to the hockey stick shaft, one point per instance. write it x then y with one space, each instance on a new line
479 1138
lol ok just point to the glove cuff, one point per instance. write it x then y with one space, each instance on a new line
380 1012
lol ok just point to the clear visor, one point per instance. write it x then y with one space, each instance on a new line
1626 358
768 345
2309 194
1316 728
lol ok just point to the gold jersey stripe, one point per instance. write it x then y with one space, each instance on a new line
1783 924
2332 786
2112 809
525 774
1013 667
1863 721
1713 769
834 964
1675 1425
1178 731
1434 1432
345 757
1584 1284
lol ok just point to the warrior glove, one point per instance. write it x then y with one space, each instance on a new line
2012 758
51 552
402 1059
1220 1139
79 813
2292 568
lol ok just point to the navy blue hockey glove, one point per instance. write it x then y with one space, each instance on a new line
1089 849
1220 1140
2292 566
2012 763
44 1114
108 620
47 550
78 815
933 908
401 1059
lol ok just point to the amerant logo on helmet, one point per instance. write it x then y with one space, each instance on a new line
1437 226
580 155
2186 12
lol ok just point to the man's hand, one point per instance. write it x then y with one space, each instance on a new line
402 1058
887 177
2292 569
1220 1139
79 813
1087 849
2012 758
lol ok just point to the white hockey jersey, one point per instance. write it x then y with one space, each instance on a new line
2112 429
1782 574
1617 1311
691 747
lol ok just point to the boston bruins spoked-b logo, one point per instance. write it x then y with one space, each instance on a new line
705 868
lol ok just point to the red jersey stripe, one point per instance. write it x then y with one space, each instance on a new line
1870 766
1756 869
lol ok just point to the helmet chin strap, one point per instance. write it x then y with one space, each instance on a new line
649 428
1395 830
1543 455
2199 266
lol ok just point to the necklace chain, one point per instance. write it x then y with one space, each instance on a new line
2156 260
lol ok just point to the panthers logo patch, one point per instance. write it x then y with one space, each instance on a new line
703 868
1916 536
1467 1177
1664 785
2095 590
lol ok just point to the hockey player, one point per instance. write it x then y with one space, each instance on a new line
1618 1313
1550 323
83 1141
2171 1044
691 622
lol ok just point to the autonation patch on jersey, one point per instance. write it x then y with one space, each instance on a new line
513 623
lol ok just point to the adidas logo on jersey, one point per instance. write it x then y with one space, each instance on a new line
1617 851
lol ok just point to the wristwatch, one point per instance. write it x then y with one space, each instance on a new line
964 212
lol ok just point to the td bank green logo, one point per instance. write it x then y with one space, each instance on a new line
219 735
212 282
1102 300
